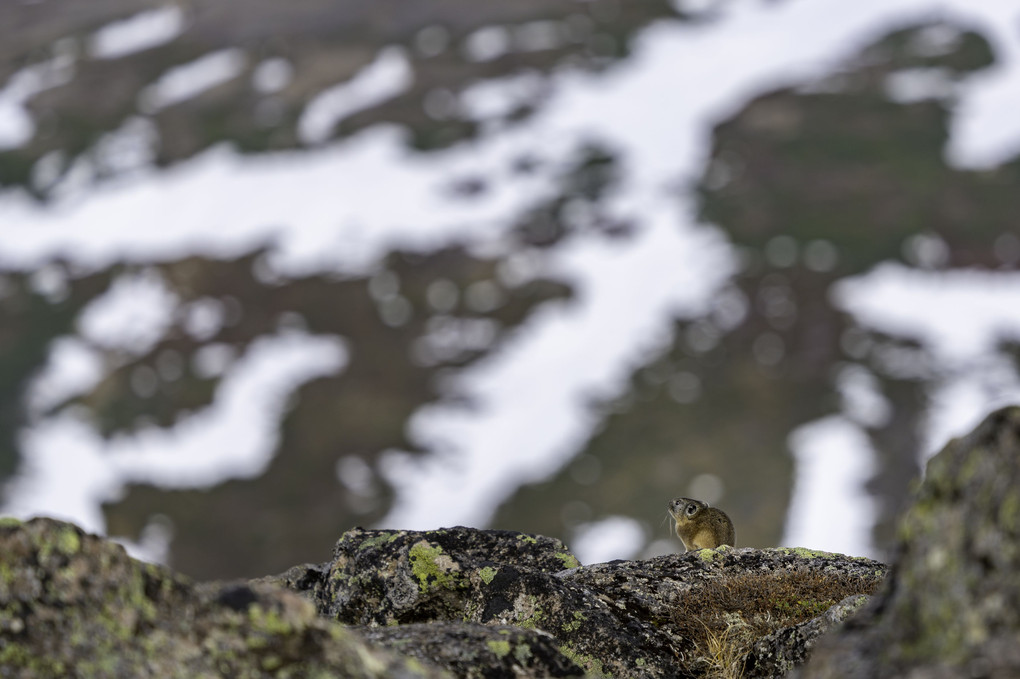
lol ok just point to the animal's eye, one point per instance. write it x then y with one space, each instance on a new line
692 510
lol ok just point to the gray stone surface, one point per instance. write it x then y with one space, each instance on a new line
476 651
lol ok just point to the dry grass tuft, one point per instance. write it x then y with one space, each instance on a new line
723 652
725 616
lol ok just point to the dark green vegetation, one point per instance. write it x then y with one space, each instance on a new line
843 164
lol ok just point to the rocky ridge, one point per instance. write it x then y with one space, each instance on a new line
462 602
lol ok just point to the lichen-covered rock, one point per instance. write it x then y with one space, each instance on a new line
73 604
490 577
624 618
476 651
483 603
387 577
951 607
716 604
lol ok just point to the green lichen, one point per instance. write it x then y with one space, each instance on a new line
575 624
136 592
530 622
590 663
707 555
568 559
528 617
972 465
268 621
66 542
7 576
380 539
117 629
500 648
9 522
100 664
13 654
528 539
271 662
522 653
1009 511
487 574
434 568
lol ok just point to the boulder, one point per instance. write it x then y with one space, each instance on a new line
73 604
455 602
679 615
464 602
951 607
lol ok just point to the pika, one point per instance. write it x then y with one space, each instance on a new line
699 526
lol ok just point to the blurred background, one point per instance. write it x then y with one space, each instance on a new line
269 271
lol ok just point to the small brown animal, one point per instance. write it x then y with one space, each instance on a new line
699 526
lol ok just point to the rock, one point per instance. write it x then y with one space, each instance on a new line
489 577
951 607
306 577
456 602
73 604
395 577
721 601
672 616
475 651
476 603
776 654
